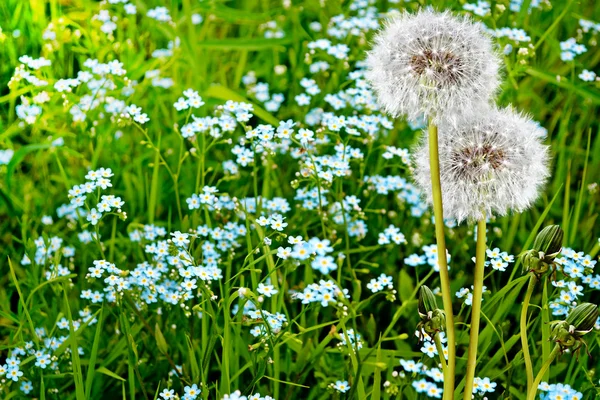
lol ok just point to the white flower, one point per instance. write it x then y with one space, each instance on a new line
430 64
491 164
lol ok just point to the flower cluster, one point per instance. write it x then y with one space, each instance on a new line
429 348
325 293
558 391
468 295
498 260
237 395
429 258
48 353
577 270
430 389
264 324
570 49
298 209
261 92
190 393
96 181
191 100
350 339
382 282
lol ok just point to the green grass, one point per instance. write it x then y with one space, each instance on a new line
128 352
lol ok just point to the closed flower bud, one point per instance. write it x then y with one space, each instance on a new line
427 302
549 241
546 247
583 318
433 319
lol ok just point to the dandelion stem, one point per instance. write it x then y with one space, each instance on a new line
438 213
440 350
523 329
533 391
475 309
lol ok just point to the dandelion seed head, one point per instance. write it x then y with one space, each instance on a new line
491 164
431 63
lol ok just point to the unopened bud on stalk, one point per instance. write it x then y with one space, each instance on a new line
547 245
549 241
583 318
427 301
580 321
433 319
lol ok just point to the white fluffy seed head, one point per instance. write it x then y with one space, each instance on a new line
432 64
489 164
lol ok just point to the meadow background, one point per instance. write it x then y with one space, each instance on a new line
296 61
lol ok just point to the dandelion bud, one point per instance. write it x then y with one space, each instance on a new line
546 247
433 319
427 301
581 320
430 64
549 241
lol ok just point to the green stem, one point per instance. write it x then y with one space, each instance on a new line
436 188
360 386
113 238
475 309
440 350
538 379
523 329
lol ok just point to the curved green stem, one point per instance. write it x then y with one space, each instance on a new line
523 329
475 309
538 379
440 350
438 212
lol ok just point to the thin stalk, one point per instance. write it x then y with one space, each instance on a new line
523 329
538 379
436 186
440 350
113 238
475 309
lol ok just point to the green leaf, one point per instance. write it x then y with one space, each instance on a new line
193 362
565 84
371 330
55 280
244 44
234 15
376 395
89 380
76 362
160 339
406 287
292 342
19 156
107 372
